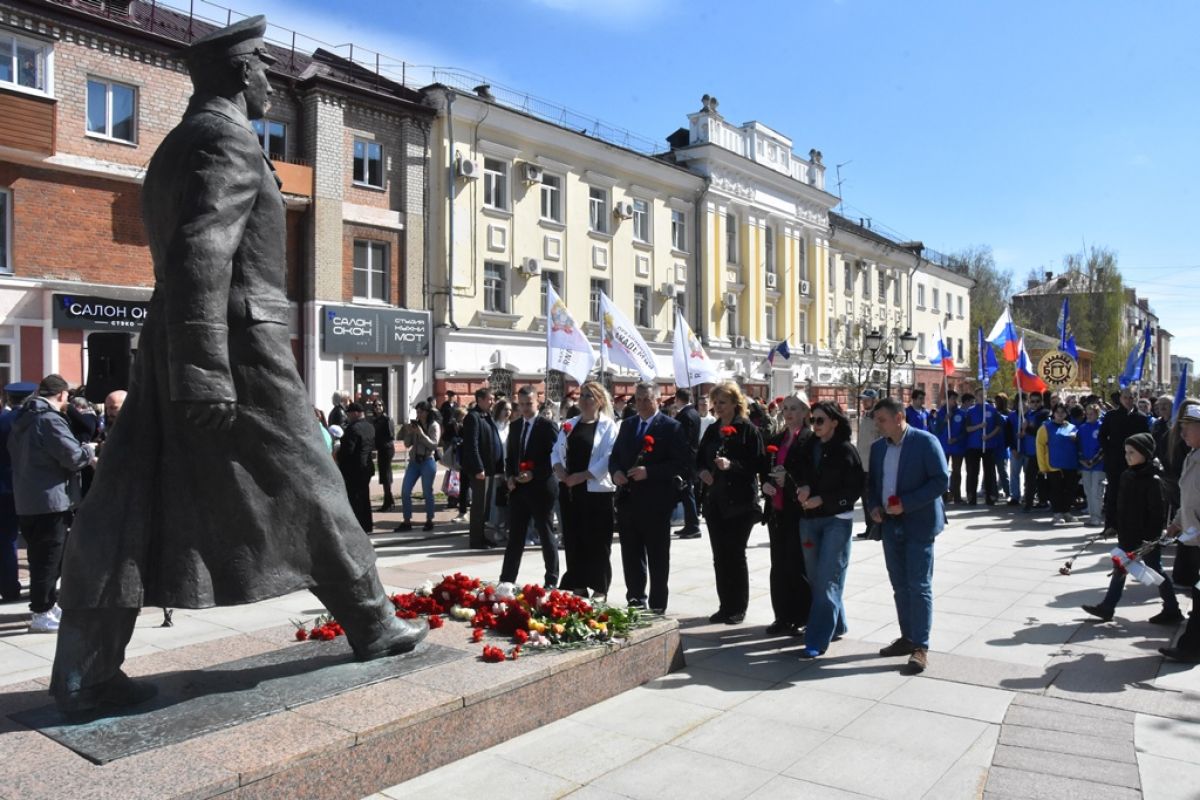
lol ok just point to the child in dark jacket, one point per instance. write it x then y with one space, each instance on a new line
1141 516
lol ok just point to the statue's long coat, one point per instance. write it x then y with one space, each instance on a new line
185 517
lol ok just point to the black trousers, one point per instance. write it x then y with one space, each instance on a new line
45 535
464 493
728 538
1112 474
358 491
645 550
691 512
1034 489
1062 485
1189 642
386 454
587 531
989 475
528 502
956 464
483 494
791 597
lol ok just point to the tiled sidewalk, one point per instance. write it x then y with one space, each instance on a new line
746 718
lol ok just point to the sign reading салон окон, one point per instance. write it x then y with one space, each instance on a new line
99 313
375 331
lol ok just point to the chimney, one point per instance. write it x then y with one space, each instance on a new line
1049 275
484 91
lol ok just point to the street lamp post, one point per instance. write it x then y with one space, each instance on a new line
890 355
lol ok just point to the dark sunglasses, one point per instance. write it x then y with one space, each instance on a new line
819 421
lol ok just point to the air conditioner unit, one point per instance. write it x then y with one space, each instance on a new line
623 210
668 290
808 348
531 267
739 342
533 173
730 299
772 279
805 288
467 168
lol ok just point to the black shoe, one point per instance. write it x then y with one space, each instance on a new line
1164 617
428 526
719 617
735 619
1175 654
689 534
1099 611
638 604
900 647
1014 502
404 526
778 628
863 535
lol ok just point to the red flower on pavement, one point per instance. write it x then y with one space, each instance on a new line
493 654
477 635
515 653
521 635
435 621
301 634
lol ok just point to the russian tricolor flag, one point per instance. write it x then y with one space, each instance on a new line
1004 335
945 355
1027 379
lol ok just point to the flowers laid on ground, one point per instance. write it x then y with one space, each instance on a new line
531 616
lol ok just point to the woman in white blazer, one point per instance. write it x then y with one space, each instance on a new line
585 496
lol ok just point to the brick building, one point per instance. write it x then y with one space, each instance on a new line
88 90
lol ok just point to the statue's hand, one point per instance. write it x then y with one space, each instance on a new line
211 416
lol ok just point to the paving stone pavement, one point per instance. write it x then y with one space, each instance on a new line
1024 697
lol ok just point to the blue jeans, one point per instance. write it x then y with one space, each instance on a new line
909 560
1166 589
425 469
1014 477
1002 469
825 542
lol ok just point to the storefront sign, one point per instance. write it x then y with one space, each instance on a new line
375 331
99 313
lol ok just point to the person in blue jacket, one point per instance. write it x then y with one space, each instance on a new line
1091 463
1058 460
951 432
1035 417
980 426
996 443
916 414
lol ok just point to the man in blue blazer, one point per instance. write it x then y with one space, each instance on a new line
907 480
648 485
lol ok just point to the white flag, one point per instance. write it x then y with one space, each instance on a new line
569 349
692 366
622 344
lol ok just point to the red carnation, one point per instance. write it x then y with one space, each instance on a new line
301 634
567 426
493 654
435 621
521 635
516 652
893 500
477 635
772 449
648 440
526 466
728 430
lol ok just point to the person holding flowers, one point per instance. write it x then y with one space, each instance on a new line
828 486
791 597
730 460
648 463
585 493
531 487
1187 648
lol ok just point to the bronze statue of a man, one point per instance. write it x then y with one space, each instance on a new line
215 488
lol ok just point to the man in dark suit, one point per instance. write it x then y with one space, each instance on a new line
906 482
689 419
355 457
482 458
1117 426
648 482
532 488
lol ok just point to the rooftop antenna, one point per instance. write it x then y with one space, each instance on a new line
838 168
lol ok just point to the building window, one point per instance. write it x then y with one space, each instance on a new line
495 184
803 260
641 220
368 163
641 306
921 345
960 348
921 296
732 322
495 287
769 322
831 334
25 63
679 231
802 332
598 209
681 304
370 270
731 238
272 135
550 278
866 280
552 195
936 301
832 272
6 363
896 291
5 230
882 278
848 278
598 287
960 307
111 110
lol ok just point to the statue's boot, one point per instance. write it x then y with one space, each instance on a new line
367 615
119 691
87 677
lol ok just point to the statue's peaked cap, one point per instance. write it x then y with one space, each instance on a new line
240 38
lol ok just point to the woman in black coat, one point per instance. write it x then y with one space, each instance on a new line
791 597
829 484
730 460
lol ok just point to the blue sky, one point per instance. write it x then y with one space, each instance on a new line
1032 127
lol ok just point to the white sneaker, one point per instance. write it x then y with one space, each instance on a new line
56 611
1070 519
44 622
460 518
1057 519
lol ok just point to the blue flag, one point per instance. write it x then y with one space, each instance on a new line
1135 364
1066 339
1180 393
780 349
988 366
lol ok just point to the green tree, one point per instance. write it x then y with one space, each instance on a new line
989 294
1097 323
